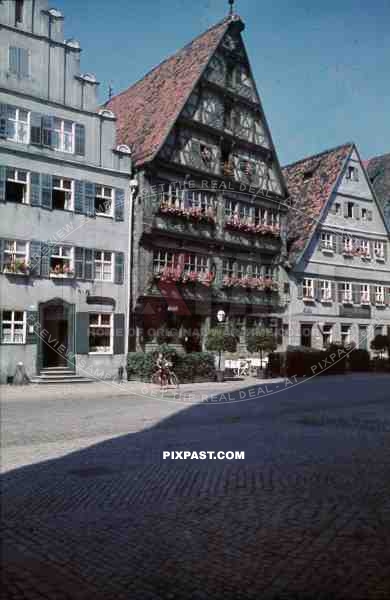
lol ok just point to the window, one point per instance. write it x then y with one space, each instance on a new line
18 124
104 201
62 135
365 248
103 265
203 201
345 334
352 174
15 259
100 334
327 335
326 291
261 215
365 294
364 214
61 259
173 197
230 207
347 244
379 250
349 213
346 293
257 270
337 208
19 62
327 241
247 167
308 289
244 211
242 270
306 335
163 260
18 11
196 264
62 194
228 267
13 327
378 330
206 155
379 294
16 186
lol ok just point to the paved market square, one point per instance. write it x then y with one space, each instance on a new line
91 510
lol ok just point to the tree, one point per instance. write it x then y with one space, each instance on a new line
261 340
381 344
221 340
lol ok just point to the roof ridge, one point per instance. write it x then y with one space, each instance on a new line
318 155
381 156
170 57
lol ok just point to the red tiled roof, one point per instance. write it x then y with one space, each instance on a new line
147 110
310 183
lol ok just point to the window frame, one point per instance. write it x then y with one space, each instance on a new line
63 189
347 292
326 286
99 325
104 199
327 242
59 249
100 263
379 256
26 183
12 322
17 121
15 253
60 135
306 287
379 292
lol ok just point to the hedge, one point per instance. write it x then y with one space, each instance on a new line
197 366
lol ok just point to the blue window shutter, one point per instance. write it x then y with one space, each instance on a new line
1 255
36 129
79 196
24 62
82 333
45 259
119 333
2 183
35 189
119 267
35 258
46 191
3 120
89 198
89 263
14 60
79 263
119 205
79 139
47 131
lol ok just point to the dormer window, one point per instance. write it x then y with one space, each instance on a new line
19 11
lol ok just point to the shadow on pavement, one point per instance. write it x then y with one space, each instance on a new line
305 515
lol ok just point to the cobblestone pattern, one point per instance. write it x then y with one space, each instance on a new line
306 516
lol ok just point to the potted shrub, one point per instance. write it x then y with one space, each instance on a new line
260 340
220 340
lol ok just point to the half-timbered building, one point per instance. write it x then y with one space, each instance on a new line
210 212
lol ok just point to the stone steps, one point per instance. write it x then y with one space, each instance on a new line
52 375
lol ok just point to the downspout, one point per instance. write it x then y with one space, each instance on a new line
133 186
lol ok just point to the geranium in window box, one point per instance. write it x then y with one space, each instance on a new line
62 271
19 267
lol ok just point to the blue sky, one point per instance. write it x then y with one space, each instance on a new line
321 66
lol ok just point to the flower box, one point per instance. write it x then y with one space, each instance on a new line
19 267
196 215
235 224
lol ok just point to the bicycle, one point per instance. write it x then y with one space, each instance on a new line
165 378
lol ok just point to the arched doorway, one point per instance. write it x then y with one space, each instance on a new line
57 334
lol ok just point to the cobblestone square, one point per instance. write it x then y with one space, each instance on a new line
91 510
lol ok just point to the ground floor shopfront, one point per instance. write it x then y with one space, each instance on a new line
54 333
183 317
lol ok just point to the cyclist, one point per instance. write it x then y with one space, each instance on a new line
163 366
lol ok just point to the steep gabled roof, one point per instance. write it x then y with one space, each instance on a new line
378 170
310 183
147 110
